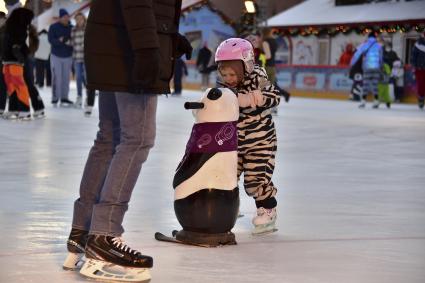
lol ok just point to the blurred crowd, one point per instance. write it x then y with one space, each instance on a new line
377 69
31 60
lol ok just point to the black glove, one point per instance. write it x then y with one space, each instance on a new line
183 47
283 93
146 67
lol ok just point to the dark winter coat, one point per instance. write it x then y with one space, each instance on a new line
418 54
390 57
2 31
124 39
15 49
203 60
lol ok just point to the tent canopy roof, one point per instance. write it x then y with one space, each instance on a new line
324 13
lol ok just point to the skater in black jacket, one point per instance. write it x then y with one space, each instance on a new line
129 51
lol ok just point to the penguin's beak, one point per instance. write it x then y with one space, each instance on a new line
193 105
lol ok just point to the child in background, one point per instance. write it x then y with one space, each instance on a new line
397 78
256 131
384 87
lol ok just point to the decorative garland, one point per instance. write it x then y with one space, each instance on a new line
345 29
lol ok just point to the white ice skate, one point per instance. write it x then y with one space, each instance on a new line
102 270
74 261
265 221
78 102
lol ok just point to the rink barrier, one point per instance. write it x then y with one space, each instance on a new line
312 81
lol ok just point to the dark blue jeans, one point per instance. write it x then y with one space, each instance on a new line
80 76
127 126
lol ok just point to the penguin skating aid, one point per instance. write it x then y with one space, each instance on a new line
206 197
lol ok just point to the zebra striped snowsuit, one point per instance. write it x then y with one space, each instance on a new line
257 141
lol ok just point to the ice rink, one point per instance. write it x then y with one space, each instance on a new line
351 199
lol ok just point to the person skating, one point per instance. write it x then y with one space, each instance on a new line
203 64
36 101
371 57
257 140
61 58
15 54
3 92
345 58
77 39
418 62
397 79
180 70
129 50
43 74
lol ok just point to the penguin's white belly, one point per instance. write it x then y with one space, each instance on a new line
219 172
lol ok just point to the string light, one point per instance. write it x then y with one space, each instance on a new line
332 31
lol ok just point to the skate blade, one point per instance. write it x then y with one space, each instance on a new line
73 261
105 271
261 232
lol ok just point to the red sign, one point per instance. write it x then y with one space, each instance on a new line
310 81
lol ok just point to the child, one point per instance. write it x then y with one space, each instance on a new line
397 78
384 87
256 132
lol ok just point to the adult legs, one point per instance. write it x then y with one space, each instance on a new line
420 83
39 72
3 92
370 85
56 77
110 176
36 100
66 65
79 74
177 84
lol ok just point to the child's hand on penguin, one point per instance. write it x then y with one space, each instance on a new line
251 99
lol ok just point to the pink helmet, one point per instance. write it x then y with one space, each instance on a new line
236 49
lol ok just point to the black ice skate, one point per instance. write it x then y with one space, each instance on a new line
109 258
76 247
421 103
66 103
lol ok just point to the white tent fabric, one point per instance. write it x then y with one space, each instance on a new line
324 12
187 3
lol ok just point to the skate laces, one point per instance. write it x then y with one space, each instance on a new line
120 244
261 211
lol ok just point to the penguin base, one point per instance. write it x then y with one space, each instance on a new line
198 239
212 240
